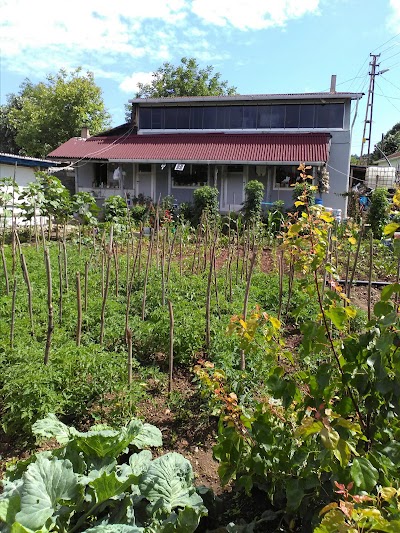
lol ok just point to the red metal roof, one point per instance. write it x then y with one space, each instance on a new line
193 147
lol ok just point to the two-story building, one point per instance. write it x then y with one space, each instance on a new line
174 145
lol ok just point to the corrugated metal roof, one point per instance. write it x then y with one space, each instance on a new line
23 160
248 97
207 147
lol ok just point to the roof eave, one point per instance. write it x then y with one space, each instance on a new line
248 98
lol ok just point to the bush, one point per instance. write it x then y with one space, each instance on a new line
254 196
378 213
205 200
115 208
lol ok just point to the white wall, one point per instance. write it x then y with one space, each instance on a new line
23 175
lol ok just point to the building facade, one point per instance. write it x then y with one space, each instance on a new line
174 145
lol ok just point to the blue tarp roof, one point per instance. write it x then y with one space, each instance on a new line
22 161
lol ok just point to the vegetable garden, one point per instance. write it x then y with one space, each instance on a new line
295 389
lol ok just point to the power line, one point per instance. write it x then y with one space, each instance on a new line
391 83
390 57
388 41
391 103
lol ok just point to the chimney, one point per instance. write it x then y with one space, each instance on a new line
333 83
85 132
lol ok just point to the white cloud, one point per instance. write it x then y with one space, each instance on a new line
394 18
130 84
253 14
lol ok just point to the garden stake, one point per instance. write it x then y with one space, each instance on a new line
371 259
107 283
171 346
103 259
208 300
79 309
346 276
129 342
147 273
171 251
86 285
29 288
50 323
3 259
64 244
163 269
60 294
360 236
280 270
14 295
116 264
246 301
180 250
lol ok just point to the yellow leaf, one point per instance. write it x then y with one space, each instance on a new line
275 322
326 216
327 508
352 240
387 493
298 203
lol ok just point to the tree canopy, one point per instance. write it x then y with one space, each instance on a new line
389 144
186 79
42 116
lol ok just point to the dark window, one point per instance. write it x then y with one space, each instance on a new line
196 118
100 177
250 116
264 116
292 116
156 118
306 116
285 176
236 117
277 116
209 118
183 118
329 115
145 118
170 118
222 117
190 176
234 168
144 167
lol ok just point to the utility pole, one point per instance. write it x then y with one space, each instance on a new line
370 105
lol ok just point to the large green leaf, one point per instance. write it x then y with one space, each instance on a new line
140 462
148 435
364 474
45 483
109 486
109 442
115 528
184 522
168 482
51 427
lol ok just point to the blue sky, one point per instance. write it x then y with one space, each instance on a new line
259 46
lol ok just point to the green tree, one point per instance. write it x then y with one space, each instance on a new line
389 144
7 131
47 114
186 79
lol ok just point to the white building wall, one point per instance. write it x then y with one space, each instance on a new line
23 175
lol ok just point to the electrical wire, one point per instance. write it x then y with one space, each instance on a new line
388 41
390 57
391 103
391 83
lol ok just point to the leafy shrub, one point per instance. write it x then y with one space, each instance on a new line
205 199
115 209
139 213
85 485
378 212
254 196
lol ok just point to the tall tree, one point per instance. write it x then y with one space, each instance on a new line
7 131
389 144
186 79
49 113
